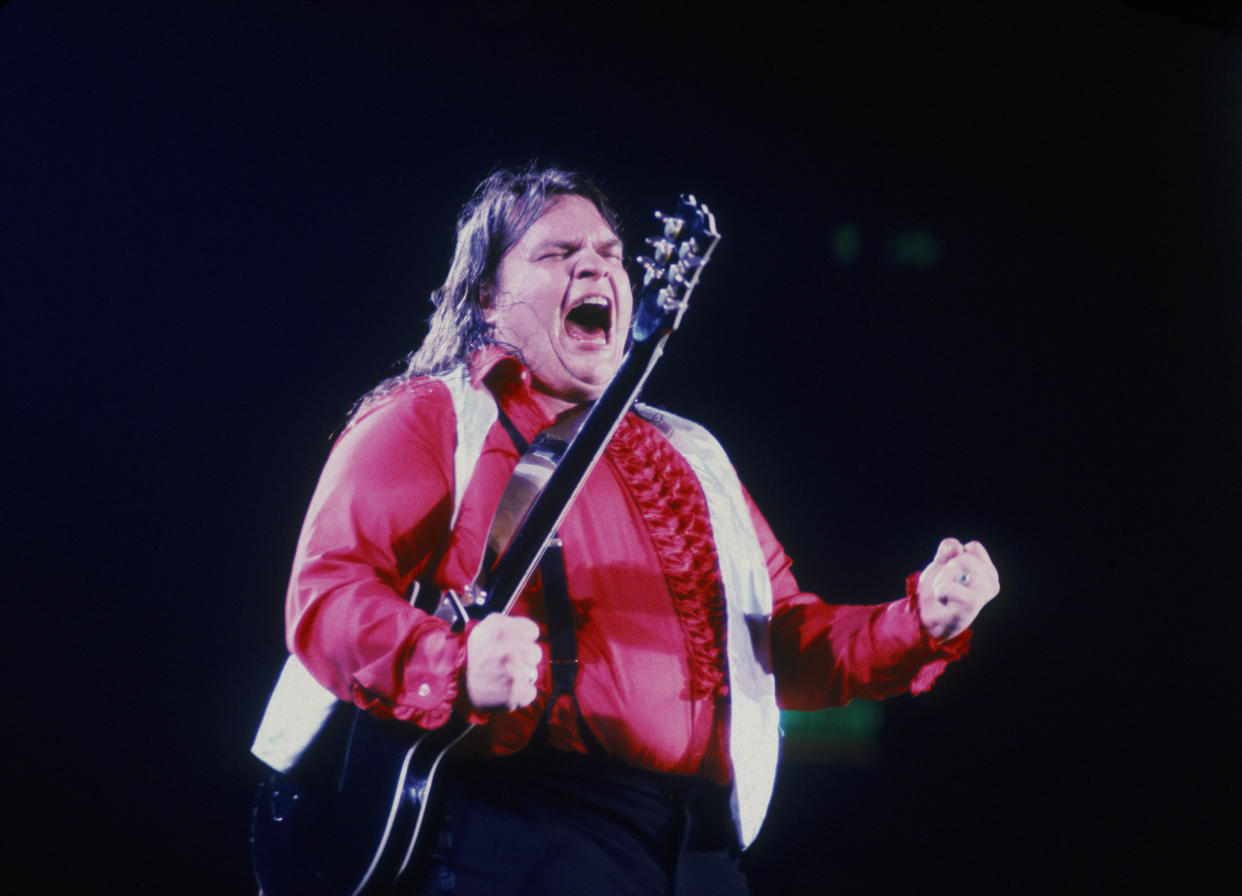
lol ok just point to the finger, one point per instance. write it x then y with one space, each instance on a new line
942 582
966 569
524 679
968 600
532 655
521 666
522 694
949 548
975 573
521 628
978 550
959 571
950 593
488 627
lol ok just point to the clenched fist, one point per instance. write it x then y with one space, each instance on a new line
955 586
502 662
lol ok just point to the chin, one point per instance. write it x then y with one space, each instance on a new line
579 383
585 392
596 384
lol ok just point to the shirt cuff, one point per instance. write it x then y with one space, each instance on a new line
430 679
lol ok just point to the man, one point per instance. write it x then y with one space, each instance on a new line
654 773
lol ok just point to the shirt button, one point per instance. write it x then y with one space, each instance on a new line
424 689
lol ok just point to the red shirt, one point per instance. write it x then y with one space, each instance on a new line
648 650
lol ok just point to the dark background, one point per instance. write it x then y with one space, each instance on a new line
979 276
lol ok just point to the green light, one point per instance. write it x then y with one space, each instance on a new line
844 734
915 249
847 243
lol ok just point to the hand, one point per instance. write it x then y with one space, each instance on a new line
955 586
502 662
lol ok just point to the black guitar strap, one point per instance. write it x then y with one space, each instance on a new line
562 648
519 441
562 642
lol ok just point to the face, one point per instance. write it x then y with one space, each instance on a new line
562 299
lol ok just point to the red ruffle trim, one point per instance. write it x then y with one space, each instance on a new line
672 504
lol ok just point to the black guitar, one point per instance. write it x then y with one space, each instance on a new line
349 819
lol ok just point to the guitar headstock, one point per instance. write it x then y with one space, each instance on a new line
678 255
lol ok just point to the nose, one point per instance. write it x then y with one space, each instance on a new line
591 265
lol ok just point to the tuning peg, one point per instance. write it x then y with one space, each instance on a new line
672 225
661 249
689 252
651 270
668 301
704 220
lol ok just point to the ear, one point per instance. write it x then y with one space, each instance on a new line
487 302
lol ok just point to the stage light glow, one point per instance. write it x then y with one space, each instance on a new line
843 734
915 248
847 243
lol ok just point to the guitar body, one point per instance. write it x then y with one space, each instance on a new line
346 820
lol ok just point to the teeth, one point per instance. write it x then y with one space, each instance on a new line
593 300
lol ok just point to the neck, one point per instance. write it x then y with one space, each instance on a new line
553 405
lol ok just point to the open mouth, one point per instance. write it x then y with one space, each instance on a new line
590 320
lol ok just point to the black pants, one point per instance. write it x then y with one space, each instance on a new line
562 824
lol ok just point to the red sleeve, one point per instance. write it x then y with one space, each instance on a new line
378 514
827 654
